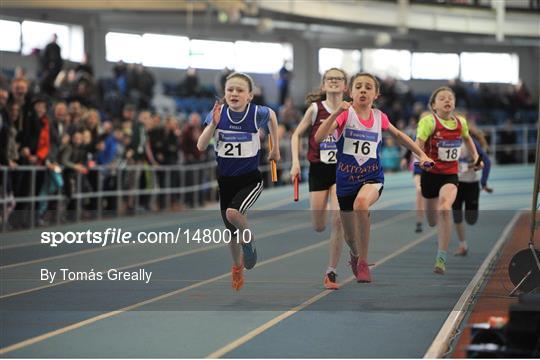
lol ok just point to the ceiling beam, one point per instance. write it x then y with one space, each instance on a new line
156 5
414 17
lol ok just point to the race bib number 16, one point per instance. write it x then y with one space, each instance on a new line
360 143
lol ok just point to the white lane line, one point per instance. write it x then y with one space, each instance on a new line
164 258
92 320
267 325
93 250
442 340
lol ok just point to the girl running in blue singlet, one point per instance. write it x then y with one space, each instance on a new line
235 127
359 175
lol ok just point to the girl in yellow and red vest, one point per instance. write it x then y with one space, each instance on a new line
440 135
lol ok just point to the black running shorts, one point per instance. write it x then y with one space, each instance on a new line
432 183
468 194
321 176
346 203
239 192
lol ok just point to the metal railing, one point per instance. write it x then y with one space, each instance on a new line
182 184
171 183
524 148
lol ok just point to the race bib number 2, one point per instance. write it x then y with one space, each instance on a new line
360 143
449 150
235 145
328 152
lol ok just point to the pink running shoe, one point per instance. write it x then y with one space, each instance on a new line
354 264
363 274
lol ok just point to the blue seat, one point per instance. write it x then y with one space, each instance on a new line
422 98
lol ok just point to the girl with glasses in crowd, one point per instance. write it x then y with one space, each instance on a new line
322 164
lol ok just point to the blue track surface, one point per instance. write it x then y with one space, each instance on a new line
189 309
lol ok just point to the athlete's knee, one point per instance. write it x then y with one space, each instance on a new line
458 216
336 221
445 207
361 205
471 216
232 215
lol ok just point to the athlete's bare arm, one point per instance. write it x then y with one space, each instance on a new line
329 125
273 129
474 154
406 141
208 131
304 124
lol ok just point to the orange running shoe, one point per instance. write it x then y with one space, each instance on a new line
330 281
237 274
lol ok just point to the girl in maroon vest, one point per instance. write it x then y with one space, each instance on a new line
322 163
440 135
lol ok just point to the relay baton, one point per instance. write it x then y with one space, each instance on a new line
479 160
296 188
272 162
427 164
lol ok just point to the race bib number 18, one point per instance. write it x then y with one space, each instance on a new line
235 145
360 143
449 150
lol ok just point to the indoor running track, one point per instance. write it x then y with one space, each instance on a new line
189 310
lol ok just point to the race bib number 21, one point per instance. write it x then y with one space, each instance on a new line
235 145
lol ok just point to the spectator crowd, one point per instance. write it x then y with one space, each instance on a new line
80 132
